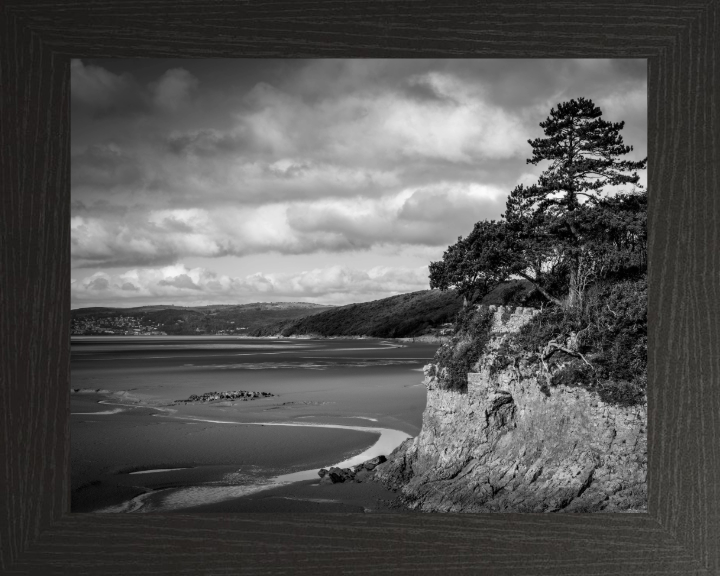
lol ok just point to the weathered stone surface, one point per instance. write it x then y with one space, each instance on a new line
358 473
327 479
506 446
336 475
373 462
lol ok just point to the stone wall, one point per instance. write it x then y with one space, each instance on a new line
507 446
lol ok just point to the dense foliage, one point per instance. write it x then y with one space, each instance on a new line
454 359
610 331
402 316
513 293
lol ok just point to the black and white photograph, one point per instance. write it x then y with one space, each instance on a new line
358 285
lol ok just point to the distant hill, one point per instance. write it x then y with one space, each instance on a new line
238 319
405 315
402 316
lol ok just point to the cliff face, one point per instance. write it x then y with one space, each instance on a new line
507 446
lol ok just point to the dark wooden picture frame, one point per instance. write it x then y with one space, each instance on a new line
680 534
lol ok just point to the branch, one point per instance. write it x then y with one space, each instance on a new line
590 196
540 289
552 347
570 352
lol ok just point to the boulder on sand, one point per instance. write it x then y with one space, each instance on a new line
336 475
227 395
358 473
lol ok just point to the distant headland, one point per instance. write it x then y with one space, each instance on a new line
426 313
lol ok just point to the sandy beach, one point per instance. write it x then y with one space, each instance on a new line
136 448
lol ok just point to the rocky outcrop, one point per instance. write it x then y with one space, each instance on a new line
506 445
358 473
230 395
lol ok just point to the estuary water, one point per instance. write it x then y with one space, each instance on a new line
135 447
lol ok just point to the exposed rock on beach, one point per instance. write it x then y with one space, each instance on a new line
358 473
230 395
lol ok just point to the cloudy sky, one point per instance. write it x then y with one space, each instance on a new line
330 181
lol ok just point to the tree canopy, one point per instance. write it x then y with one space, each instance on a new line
584 153
570 229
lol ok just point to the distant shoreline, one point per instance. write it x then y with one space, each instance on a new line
427 338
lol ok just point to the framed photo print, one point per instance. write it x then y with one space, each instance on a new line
319 288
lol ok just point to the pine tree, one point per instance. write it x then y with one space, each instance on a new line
584 153
565 231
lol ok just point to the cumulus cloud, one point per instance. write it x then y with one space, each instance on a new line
208 142
98 283
180 281
236 158
97 91
332 128
174 89
384 127
105 166
196 286
429 216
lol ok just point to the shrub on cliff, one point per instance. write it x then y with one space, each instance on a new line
455 358
605 342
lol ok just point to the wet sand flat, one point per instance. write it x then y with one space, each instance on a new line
136 423
309 496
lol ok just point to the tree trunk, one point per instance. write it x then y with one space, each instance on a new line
541 289
581 271
573 294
